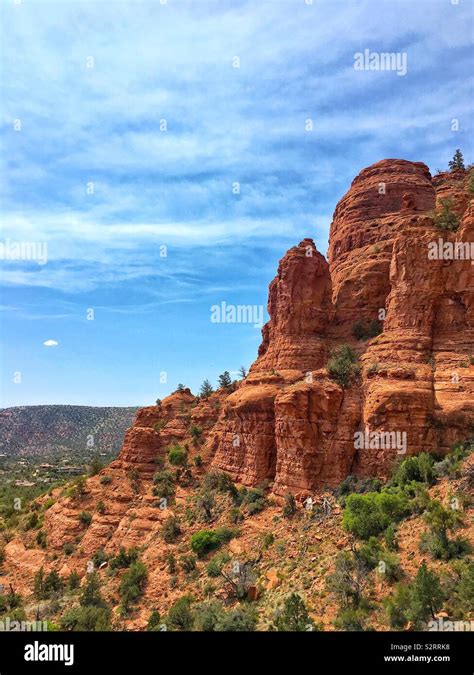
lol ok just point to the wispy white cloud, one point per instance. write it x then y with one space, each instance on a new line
101 125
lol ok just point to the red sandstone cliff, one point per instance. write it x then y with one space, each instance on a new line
290 423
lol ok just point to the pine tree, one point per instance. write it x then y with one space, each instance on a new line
427 596
294 616
53 583
243 372
457 161
180 387
91 595
206 389
225 380
39 587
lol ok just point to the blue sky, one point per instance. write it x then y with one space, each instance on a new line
100 125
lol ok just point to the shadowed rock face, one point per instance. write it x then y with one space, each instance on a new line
288 422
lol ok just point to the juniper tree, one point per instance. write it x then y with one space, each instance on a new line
225 380
206 389
457 161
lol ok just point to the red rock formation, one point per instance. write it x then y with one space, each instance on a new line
292 425
299 305
288 422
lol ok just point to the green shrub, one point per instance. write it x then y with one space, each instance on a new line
39 589
134 477
373 369
235 515
154 622
95 466
362 330
132 584
375 556
216 564
68 548
42 539
90 594
289 508
207 540
459 589
451 464
207 615
74 581
164 484
196 433
348 581
415 602
188 563
32 521
390 537
237 620
470 186
124 558
197 459
85 517
220 481
268 539
442 521
352 484
180 616
105 480
417 468
177 456
10 601
397 607
204 541
53 584
205 503
86 619
99 557
293 617
253 500
350 619
358 329
171 563
342 366
170 529
370 514
447 219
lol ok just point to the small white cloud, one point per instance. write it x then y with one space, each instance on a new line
51 343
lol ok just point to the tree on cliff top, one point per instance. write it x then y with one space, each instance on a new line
225 380
206 389
457 161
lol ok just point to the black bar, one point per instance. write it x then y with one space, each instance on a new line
312 652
